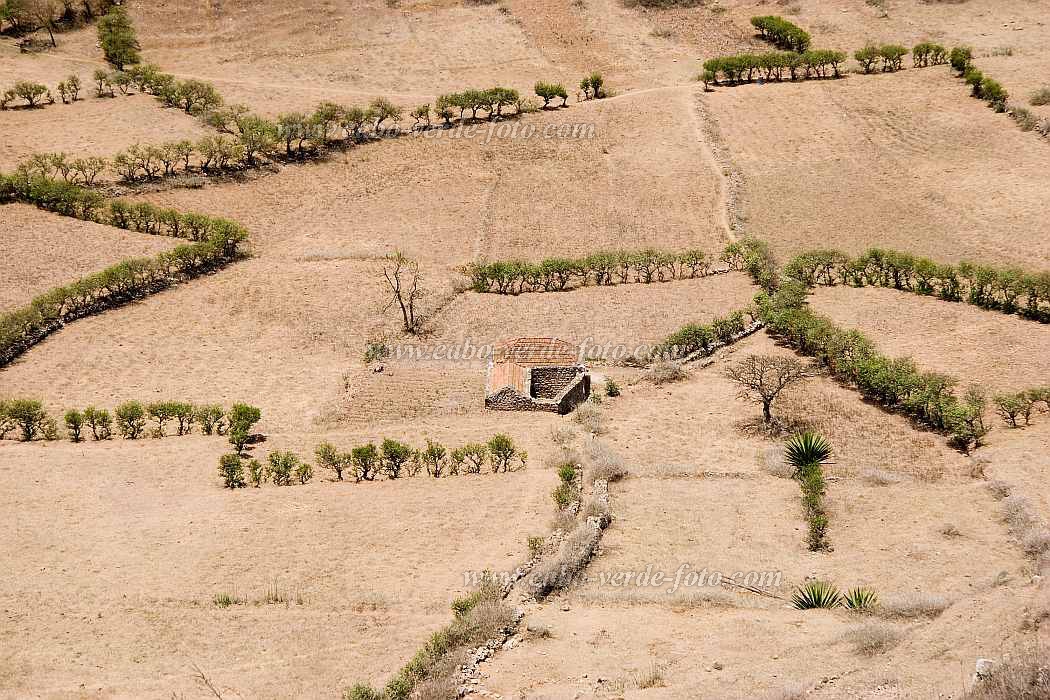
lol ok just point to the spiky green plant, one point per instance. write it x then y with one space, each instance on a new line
860 599
805 450
816 594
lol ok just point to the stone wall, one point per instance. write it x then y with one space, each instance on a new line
574 387
549 382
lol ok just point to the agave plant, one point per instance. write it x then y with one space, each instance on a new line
816 594
806 450
860 599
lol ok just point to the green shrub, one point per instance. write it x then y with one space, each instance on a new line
74 424
860 599
31 92
548 91
960 58
1010 407
433 457
240 419
231 470
360 691
394 456
564 495
131 419
994 94
892 56
782 33
116 35
184 415
816 594
100 422
161 412
611 387
281 466
367 462
474 456
212 419
501 451
593 86
928 54
303 472
330 458
567 473
29 415
256 473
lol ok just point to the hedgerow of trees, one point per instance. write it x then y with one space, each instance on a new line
782 33
132 420
703 339
1011 290
773 66
603 268
215 243
392 459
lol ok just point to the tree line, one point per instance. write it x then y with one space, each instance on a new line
704 338
782 33
1011 290
130 420
898 384
215 243
392 459
603 268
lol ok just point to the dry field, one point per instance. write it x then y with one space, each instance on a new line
39 251
1003 353
117 550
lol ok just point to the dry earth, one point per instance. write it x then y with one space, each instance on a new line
117 549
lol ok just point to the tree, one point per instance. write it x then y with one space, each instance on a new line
232 471
241 418
291 127
281 467
258 136
212 419
434 458
100 422
867 57
28 415
502 451
548 91
28 91
421 115
74 423
382 109
330 458
324 118
405 282
46 13
394 456
116 34
366 462
131 419
763 377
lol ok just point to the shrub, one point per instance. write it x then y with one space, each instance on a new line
281 466
892 56
29 415
116 35
100 422
548 91
231 470
433 457
806 450
1040 97
860 599
366 462
161 412
303 472
593 86
782 33
31 92
611 387
994 94
590 418
1010 407
960 58
501 451
816 594
256 473
131 419
394 455
1022 676
928 54
330 458
74 424
212 419
184 415
666 372
564 495
474 456
873 638
241 419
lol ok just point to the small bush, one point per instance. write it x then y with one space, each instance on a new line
29 415
873 638
860 599
330 458
231 470
131 419
604 463
256 473
501 451
74 424
816 594
590 418
211 418
366 461
394 457
1022 676
1040 97
100 422
612 388
281 467
960 58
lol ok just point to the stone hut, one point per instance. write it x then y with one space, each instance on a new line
536 374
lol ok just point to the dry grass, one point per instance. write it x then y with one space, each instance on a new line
604 463
1040 97
873 638
912 606
590 417
880 477
666 371
1022 677
575 551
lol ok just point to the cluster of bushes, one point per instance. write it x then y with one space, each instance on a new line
1010 290
782 33
815 594
891 57
806 453
773 65
34 94
897 384
217 242
131 420
1013 407
703 338
985 88
602 269
567 491
549 91
593 87
392 459
491 100
756 259
1029 121
928 54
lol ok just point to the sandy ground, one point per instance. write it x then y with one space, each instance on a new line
39 251
117 549
1000 352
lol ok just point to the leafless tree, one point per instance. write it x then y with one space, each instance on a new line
405 282
763 377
